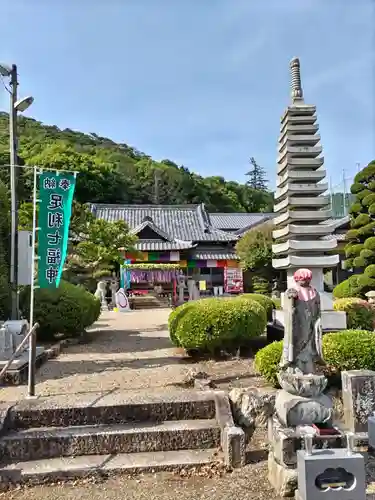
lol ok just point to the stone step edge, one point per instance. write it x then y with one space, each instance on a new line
73 432
49 470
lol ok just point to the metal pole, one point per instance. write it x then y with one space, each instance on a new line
13 193
32 339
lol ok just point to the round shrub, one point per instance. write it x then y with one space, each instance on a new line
370 271
367 230
267 361
362 194
371 209
359 313
366 254
359 262
66 310
350 350
368 200
348 288
356 188
263 300
174 319
346 350
361 220
356 207
353 250
352 234
370 243
220 323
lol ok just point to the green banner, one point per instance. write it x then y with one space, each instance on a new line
56 192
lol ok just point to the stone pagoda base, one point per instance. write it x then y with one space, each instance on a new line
331 320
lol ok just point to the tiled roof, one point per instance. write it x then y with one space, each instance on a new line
214 255
238 222
162 246
182 222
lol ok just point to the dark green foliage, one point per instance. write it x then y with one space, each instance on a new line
257 176
359 313
112 172
348 288
346 350
66 310
212 324
5 291
360 249
261 285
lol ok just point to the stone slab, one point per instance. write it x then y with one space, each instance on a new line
65 468
37 444
358 393
295 410
113 407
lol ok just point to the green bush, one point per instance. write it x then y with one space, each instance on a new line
367 200
174 318
359 313
220 323
361 220
276 303
353 250
350 350
66 310
260 285
348 288
346 350
267 360
263 300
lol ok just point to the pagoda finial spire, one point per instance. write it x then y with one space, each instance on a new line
296 86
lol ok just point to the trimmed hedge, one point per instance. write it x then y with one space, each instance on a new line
174 318
219 323
66 310
359 313
263 300
348 288
346 350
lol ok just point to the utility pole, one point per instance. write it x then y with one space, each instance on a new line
14 192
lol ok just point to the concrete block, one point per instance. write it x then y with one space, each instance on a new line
233 446
358 393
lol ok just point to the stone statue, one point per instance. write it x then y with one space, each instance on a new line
303 331
100 293
301 400
114 288
181 287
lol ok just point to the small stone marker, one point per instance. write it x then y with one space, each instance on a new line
330 474
358 394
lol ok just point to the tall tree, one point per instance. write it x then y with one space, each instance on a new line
256 176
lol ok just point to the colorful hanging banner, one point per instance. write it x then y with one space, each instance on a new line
56 192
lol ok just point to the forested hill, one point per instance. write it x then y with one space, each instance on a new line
117 173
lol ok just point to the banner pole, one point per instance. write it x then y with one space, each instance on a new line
32 339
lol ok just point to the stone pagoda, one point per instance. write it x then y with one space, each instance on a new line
303 212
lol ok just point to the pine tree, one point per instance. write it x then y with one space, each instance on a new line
257 176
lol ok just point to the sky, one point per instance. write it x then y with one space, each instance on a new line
200 82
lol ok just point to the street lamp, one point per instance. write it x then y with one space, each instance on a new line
15 107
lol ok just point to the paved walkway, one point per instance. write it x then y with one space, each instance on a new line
129 351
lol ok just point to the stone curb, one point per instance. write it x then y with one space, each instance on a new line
232 437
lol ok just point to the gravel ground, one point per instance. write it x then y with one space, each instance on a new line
128 351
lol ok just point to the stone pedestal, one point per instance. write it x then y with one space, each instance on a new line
358 393
331 320
293 410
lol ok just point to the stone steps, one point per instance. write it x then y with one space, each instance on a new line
36 444
68 468
76 435
115 407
